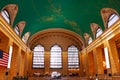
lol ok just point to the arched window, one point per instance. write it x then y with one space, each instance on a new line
89 40
112 19
25 37
38 57
56 57
98 32
6 15
17 30
73 57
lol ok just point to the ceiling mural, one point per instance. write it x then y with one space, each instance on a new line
73 15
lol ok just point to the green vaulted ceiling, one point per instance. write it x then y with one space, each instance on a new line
74 15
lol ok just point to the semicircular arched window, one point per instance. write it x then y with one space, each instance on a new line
90 40
38 57
25 37
56 57
98 32
112 19
73 57
6 15
17 30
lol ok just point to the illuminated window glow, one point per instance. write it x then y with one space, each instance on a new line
89 40
6 15
107 57
10 56
17 31
73 58
56 57
112 19
25 37
38 57
98 32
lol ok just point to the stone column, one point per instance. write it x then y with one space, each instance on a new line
91 63
114 57
106 45
47 62
65 62
85 64
98 60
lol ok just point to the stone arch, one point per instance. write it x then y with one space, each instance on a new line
12 10
106 13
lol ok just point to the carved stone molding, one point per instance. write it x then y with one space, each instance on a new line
106 13
62 37
94 28
12 10
21 26
86 36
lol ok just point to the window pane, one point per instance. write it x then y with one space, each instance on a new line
99 32
55 57
17 31
112 19
73 58
6 16
25 37
89 40
38 57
